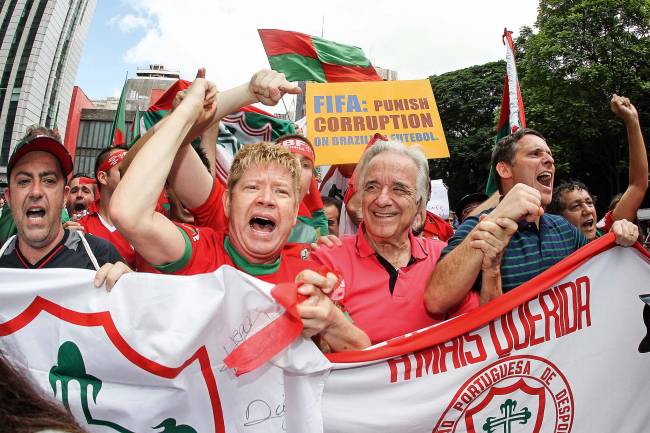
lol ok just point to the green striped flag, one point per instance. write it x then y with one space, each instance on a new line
309 58
118 128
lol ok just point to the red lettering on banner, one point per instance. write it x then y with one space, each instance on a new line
548 375
565 309
423 358
569 310
523 343
584 301
482 355
394 362
501 350
553 312
532 318
451 349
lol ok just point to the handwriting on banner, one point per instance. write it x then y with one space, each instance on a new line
557 312
259 411
252 322
343 117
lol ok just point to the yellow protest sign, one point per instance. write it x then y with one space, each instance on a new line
343 117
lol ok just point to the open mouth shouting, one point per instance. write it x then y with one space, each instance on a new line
35 213
546 179
588 224
262 225
79 207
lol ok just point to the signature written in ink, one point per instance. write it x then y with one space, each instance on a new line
259 411
239 334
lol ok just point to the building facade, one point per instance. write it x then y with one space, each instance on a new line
90 131
40 47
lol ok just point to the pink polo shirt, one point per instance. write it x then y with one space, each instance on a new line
367 297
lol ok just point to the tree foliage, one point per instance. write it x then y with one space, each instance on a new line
580 52
468 100
583 51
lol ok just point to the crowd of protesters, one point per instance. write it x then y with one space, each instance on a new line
392 267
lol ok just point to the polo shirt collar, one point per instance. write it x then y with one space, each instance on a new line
364 249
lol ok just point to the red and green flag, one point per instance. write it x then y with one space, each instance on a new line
136 127
301 57
162 106
512 115
118 128
248 125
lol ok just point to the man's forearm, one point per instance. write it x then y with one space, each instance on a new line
232 100
491 287
343 336
638 157
150 167
638 174
452 278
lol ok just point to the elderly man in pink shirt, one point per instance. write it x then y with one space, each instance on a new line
385 267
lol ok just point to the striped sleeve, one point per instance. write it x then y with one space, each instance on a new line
461 233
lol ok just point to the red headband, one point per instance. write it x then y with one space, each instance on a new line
83 180
112 161
298 146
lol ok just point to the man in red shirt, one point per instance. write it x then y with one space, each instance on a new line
384 266
99 221
261 203
82 194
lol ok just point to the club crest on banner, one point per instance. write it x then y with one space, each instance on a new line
516 394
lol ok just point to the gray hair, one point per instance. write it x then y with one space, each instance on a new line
415 153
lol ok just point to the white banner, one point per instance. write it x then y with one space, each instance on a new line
438 200
558 354
148 357
566 360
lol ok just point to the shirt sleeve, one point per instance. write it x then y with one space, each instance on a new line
581 240
201 253
461 233
211 213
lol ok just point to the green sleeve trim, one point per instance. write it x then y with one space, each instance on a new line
177 265
302 233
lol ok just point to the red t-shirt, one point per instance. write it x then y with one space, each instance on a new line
205 252
96 225
211 213
437 228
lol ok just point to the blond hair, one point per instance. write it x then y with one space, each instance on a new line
263 154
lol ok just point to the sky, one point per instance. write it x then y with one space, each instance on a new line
415 38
